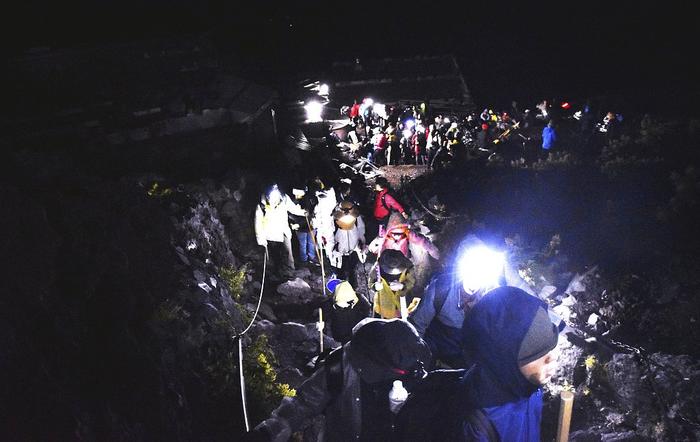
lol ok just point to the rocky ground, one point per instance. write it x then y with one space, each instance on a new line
127 293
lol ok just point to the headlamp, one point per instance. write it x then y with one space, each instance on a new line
480 268
275 194
314 110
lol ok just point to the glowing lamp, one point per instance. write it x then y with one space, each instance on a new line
410 123
323 90
565 105
480 268
275 196
407 133
314 110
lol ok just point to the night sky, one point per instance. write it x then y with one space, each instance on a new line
520 50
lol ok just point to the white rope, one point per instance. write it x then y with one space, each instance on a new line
239 337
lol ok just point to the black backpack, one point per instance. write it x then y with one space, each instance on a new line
436 411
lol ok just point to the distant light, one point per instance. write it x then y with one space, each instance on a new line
410 123
323 90
565 105
407 133
314 111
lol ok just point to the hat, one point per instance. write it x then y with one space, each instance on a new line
386 349
540 339
393 262
344 295
345 214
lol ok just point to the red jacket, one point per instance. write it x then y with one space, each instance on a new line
354 110
382 209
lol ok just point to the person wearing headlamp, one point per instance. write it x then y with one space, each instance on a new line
348 241
272 229
393 280
451 294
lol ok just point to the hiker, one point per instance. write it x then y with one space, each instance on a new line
385 203
509 336
344 310
450 295
549 137
351 387
272 229
348 242
392 278
400 236
324 227
303 228
513 342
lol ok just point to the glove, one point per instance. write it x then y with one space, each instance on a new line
294 226
320 325
413 305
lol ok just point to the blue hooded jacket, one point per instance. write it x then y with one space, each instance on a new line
492 334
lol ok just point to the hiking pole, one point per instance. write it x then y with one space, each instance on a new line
319 253
566 404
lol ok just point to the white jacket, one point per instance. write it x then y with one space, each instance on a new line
345 241
272 223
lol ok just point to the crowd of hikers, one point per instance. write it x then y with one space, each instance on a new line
459 355
412 134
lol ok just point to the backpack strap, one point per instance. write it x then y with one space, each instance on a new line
384 202
482 423
441 293
333 366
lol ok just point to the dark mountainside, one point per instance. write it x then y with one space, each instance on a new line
128 268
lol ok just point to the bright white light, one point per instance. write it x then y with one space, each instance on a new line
407 133
314 110
480 268
323 90
347 220
410 123
368 101
275 195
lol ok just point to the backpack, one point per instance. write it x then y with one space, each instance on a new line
436 411
331 360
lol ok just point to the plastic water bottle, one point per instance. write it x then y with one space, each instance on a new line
397 396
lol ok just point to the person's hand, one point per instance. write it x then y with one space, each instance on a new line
378 286
294 226
405 215
320 325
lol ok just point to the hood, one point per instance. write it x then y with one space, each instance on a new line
492 334
387 349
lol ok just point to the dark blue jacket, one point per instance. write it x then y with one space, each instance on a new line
492 336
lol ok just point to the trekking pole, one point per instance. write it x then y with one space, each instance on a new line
566 404
319 254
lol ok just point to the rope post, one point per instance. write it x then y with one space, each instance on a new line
566 404
239 338
320 328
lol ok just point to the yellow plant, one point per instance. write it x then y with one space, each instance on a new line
590 362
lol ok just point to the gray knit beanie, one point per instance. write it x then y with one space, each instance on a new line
539 340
